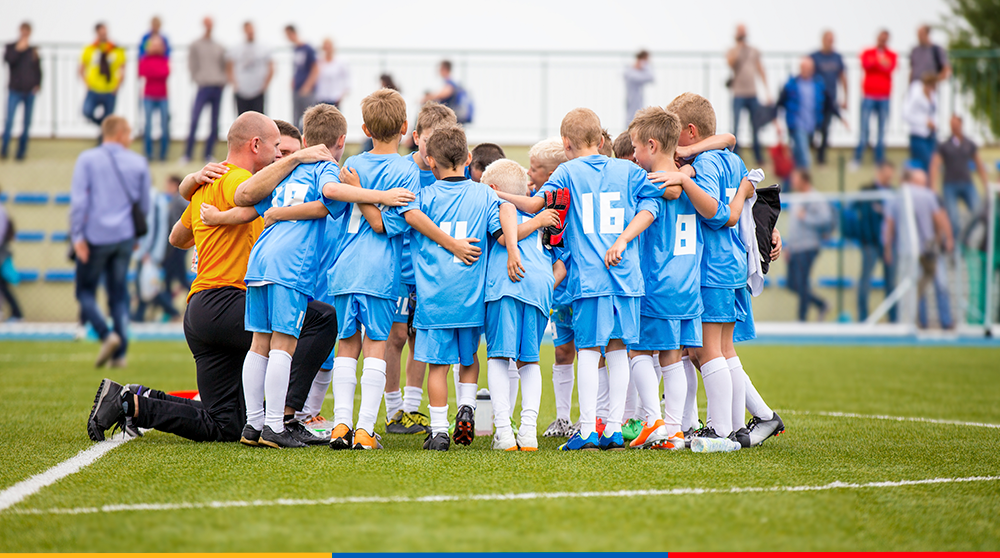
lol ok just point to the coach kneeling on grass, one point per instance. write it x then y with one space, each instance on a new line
213 323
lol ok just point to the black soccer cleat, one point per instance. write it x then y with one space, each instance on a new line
761 430
107 411
342 437
742 436
298 431
465 425
250 436
437 442
278 440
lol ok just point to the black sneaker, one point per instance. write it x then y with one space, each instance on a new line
303 434
703 432
761 430
403 423
742 436
437 442
107 411
250 437
282 439
465 425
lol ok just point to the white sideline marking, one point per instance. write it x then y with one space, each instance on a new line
492 497
888 417
89 357
27 487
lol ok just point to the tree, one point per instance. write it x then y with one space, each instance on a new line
975 46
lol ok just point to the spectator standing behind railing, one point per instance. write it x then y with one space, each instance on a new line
878 64
830 67
334 79
957 155
207 62
250 69
745 62
102 68
811 221
920 114
154 31
107 181
154 68
304 75
25 71
928 57
933 233
152 251
871 214
805 102
637 76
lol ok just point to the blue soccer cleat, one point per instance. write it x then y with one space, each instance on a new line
577 443
614 442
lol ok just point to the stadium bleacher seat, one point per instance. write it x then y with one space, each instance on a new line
834 282
3 197
31 198
62 198
28 275
59 236
59 275
29 236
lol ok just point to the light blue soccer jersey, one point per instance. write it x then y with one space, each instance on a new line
604 195
329 246
560 296
724 259
536 286
671 260
451 294
288 253
367 261
406 259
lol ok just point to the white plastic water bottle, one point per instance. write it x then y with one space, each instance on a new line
484 413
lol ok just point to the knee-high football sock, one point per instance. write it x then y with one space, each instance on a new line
603 397
690 420
499 384
719 389
755 403
618 375
674 394
345 379
412 396
562 387
279 368
514 379
372 388
393 403
739 396
317 393
648 389
531 396
254 371
586 390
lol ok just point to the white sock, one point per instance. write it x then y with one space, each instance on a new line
739 396
513 378
631 400
317 393
674 395
618 375
531 396
439 419
587 388
411 398
393 403
647 386
499 384
657 369
603 397
345 378
690 419
254 370
562 386
466 395
279 368
719 389
755 403
454 376
372 388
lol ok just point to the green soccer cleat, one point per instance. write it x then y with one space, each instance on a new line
631 429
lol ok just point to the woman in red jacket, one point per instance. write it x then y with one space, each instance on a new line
878 63
154 66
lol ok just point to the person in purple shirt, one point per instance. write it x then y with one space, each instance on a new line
107 181
829 67
304 76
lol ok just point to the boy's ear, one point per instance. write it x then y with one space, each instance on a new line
416 138
430 162
342 140
365 130
493 186
468 160
653 145
406 126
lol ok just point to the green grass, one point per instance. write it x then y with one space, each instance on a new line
47 390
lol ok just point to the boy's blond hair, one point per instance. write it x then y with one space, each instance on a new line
694 109
323 124
548 153
384 113
448 147
582 127
433 116
657 124
507 176
623 146
606 148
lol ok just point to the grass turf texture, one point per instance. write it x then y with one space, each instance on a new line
47 390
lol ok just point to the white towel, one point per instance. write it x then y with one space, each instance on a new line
748 234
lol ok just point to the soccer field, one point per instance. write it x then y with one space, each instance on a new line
846 475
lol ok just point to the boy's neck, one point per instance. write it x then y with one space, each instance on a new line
587 151
443 173
663 162
421 163
385 147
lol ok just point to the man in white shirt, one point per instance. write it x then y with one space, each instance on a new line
920 113
249 68
334 79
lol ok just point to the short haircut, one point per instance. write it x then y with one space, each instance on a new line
508 177
582 127
929 78
623 146
658 124
290 28
448 147
484 154
288 129
384 113
26 25
174 179
548 153
692 108
606 148
112 126
446 64
434 115
247 126
98 26
804 175
643 55
887 163
324 124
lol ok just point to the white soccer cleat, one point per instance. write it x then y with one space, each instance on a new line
504 440
527 440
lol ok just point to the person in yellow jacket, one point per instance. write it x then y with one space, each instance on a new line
102 66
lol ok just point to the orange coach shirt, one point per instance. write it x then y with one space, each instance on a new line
223 251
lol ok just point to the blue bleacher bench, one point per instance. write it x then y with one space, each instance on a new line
834 282
29 236
31 198
28 275
59 236
59 275
62 198
3 197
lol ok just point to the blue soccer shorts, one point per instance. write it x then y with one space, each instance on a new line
514 329
447 346
372 312
667 334
745 330
597 320
724 306
562 318
274 308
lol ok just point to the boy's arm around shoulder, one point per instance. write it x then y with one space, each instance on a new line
546 218
462 248
508 224
211 216
642 220
301 212
261 184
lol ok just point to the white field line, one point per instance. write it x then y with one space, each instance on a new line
836 485
888 417
89 357
27 487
